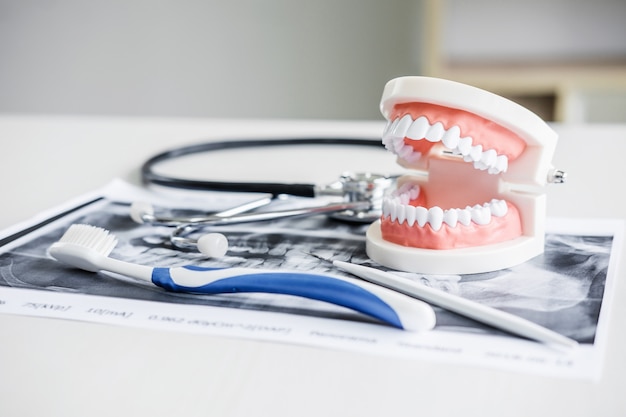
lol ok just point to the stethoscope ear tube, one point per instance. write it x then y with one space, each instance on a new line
149 176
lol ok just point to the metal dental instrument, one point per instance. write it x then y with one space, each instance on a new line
357 198
181 236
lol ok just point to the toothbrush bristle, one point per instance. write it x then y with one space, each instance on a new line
91 237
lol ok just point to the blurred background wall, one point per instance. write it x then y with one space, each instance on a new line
213 58
329 59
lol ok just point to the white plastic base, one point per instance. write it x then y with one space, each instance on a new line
474 260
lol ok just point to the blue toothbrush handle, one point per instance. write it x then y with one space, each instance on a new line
393 308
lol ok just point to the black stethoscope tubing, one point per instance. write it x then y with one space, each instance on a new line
149 175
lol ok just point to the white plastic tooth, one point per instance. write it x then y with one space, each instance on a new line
492 170
451 217
498 208
387 128
405 152
435 132
435 217
398 143
404 188
386 207
393 211
465 145
491 161
406 192
421 215
400 129
418 128
502 163
410 215
401 213
464 216
388 142
489 157
481 214
413 157
476 153
385 139
451 138
391 127
480 165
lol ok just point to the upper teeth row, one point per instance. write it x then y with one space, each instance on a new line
420 128
397 209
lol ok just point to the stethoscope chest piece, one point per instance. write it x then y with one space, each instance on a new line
360 187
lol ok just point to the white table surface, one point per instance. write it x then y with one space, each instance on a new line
66 368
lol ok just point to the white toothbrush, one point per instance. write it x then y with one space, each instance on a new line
88 247
462 306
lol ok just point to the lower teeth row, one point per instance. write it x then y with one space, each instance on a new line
401 212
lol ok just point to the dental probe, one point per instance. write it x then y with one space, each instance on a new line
479 312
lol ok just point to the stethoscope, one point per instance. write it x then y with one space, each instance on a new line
358 196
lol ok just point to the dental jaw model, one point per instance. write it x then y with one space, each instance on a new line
473 200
